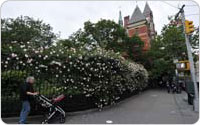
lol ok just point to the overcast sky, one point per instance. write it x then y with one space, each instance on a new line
68 16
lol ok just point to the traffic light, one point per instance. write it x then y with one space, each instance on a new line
183 65
189 27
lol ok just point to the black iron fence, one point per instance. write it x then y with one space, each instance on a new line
10 98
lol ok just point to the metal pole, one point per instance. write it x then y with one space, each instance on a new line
192 71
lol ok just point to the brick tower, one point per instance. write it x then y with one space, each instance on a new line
141 24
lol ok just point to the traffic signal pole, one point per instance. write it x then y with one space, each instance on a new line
192 70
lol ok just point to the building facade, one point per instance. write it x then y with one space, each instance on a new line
141 24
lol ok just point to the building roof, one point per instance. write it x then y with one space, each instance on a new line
147 9
137 16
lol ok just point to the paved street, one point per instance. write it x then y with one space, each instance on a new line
152 106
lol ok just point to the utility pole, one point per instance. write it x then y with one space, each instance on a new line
189 52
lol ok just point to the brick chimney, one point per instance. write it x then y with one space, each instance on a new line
126 20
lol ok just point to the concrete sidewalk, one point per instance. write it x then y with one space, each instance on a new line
185 109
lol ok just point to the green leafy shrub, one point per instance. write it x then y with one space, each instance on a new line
11 81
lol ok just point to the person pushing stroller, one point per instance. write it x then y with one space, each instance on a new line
26 93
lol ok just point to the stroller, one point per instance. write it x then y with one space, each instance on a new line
52 106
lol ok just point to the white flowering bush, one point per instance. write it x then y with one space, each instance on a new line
98 73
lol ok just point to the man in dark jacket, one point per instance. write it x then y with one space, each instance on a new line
168 86
26 93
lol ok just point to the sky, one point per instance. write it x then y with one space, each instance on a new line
67 17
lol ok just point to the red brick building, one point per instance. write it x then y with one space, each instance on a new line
141 24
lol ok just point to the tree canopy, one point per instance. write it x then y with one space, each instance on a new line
108 35
166 47
25 29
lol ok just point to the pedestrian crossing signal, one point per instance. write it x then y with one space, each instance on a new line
189 27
